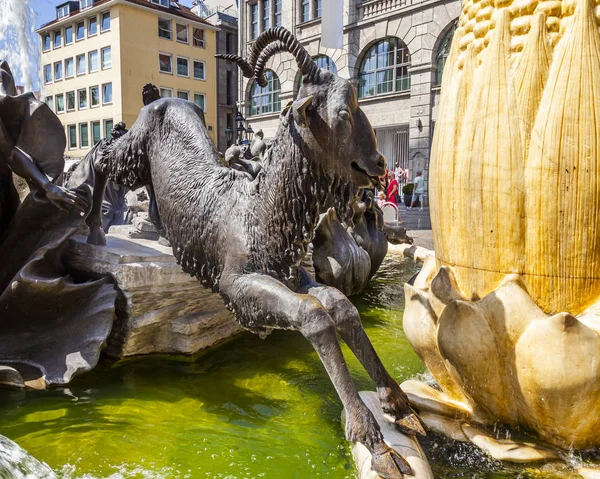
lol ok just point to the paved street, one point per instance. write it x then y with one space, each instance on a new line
415 219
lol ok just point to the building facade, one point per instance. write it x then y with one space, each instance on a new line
394 53
98 54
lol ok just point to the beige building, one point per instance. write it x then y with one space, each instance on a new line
98 54
393 51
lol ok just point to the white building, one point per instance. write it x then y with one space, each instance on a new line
394 52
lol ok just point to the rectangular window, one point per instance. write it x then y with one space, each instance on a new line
62 11
60 103
50 102
228 42
58 71
107 93
165 63
266 14
105 22
253 21
80 31
199 38
92 26
83 101
85 4
46 43
93 61
182 33
69 35
199 100
70 100
94 96
166 93
80 64
305 11
47 74
84 135
183 67
108 126
164 28
199 70
229 91
57 39
318 6
96 132
106 58
184 95
69 68
162 3
72 134
277 13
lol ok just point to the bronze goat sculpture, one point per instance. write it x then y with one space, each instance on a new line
245 237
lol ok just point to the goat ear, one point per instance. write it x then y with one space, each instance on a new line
299 109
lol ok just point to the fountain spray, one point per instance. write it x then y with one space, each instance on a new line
18 43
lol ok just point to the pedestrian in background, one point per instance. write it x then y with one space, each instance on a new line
418 191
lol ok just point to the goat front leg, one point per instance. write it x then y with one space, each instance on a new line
349 326
262 302
94 219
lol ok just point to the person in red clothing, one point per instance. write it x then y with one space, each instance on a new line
392 189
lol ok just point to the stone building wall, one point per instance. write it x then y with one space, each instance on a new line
402 120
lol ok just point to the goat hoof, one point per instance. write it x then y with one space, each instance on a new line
96 236
390 465
411 424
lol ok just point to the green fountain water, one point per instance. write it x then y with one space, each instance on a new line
253 408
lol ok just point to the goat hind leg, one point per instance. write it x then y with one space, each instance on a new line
281 308
94 219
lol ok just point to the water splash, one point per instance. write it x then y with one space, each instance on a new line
16 463
18 41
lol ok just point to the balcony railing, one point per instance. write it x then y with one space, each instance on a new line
373 8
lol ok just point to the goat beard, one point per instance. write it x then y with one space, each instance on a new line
345 195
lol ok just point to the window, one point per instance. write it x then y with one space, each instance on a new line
229 88
183 67
106 58
85 4
70 100
318 6
72 135
60 103
46 42
166 93
165 63
265 100
84 135
199 71
105 22
277 13
184 95
80 64
200 100
94 96
95 132
162 3
384 68
69 35
80 31
93 61
92 26
57 39
305 11
228 41
83 101
69 68
58 71
107 93
266 13
442 54
63 11
108 126
50 102
164 28
47 74
253 21
199 38
182 32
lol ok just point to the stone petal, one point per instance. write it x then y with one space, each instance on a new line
426 398
450 428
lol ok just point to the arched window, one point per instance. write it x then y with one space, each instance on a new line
442 54
322 61
384 68
265 100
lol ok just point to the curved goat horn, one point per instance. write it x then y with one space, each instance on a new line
305 62
266 54
247 70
